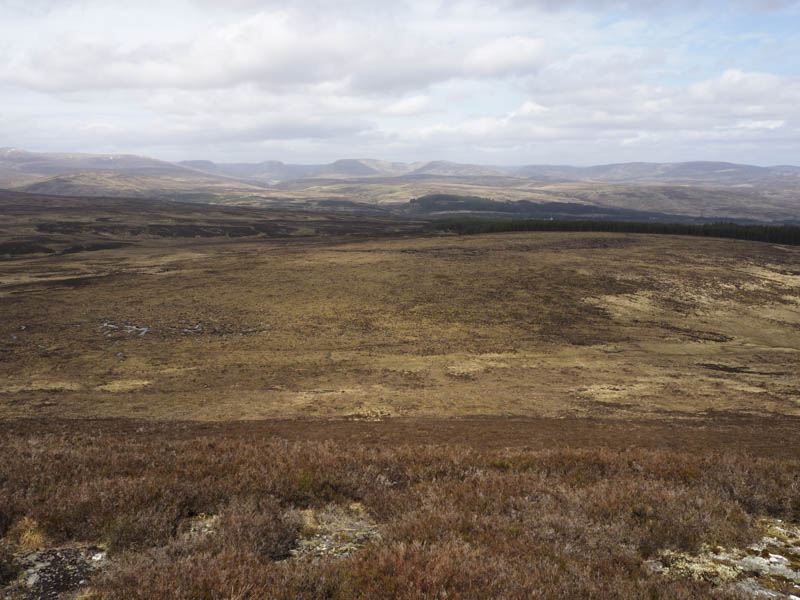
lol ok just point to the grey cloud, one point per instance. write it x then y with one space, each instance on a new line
278 130
271 51
28 8
641 114
281 129
652 5
458 80
360 8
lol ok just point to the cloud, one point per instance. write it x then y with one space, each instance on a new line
638 115
443 79
528 110
775 124
268 48
653 6
413 105
506 56
273 49
28 8
736 85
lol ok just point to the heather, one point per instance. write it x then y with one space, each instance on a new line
454 521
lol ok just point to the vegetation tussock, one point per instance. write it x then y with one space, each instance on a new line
455 522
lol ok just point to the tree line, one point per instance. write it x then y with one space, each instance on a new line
776 234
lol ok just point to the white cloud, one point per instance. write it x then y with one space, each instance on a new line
760 124
529 109
452 79
738 85
413 105
506 56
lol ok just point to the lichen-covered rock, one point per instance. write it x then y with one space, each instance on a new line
198 527
49 574
335 532
768 569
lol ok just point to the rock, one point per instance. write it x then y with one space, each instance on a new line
335 532
768 569
48 574
199 527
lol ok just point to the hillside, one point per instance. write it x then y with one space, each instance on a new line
275 171
38 224
196 187
205 401
252 303
698 190
685 173
40 163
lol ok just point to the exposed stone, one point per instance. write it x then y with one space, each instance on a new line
198 527
49 574
768 569
335 531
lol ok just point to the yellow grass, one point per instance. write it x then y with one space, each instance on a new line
534 324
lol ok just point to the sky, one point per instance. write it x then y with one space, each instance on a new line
490 82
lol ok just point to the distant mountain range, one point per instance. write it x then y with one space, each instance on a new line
696 189
710 173
22 163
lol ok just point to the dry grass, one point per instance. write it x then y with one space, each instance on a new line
26 534
532 324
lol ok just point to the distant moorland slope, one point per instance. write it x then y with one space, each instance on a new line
696 190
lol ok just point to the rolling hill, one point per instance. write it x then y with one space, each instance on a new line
682 173
195 187
698 190
13 160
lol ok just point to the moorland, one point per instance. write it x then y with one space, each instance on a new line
206 401
661 191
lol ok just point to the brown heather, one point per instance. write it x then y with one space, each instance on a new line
9 567
455 522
